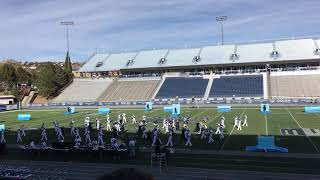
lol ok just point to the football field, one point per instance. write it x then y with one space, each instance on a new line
292 128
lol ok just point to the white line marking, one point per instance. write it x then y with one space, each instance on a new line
302 128
265 117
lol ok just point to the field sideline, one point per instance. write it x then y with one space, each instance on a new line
289 119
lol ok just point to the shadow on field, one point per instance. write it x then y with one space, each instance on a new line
295 144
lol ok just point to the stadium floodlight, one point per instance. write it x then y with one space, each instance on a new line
221 19
162 61
234 57
274 54
67 23
196 59
130 62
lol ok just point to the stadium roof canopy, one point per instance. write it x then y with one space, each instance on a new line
245 53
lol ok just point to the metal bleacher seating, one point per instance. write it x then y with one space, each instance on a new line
183 87
237 86
83 90
295 86
130 90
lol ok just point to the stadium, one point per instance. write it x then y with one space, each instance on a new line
206 83
159 90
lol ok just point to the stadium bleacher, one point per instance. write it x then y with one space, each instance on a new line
130 90
295 86
211 61
237 86
83 90
183 87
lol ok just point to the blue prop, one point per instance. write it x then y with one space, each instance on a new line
148 106
2 127
70 110
24 117
264 108
167 109
312 109
103 110
175 110
224 108
266 144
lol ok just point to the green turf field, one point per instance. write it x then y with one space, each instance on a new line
291 120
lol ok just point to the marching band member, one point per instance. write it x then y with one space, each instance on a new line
144 133
203 134
55 124
134 121
100 137
239 124
222 121
19 136
108 123
221 132
210 136
77 132
245 122
124 118
155 136
235 121
118 127
44 135
88 137
144 119
98 123
164 123
77 141
23 133
166 127
188 143
218 128
71 125
173 123
3 140
86 121
60 135
119 118
169 143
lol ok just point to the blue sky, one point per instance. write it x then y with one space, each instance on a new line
30 29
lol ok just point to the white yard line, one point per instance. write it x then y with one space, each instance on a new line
218 115
231 132
316 115
315 147
265 117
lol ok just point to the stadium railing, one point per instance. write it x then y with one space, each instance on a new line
183 102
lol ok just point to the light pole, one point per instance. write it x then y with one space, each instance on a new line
221 19
67 23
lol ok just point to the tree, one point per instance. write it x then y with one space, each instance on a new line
50 78
8 75
23 76
68 64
